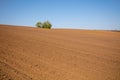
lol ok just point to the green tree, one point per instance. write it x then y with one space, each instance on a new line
47 24
39 24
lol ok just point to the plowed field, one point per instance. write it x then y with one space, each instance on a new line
28 53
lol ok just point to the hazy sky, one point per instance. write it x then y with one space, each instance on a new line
82 14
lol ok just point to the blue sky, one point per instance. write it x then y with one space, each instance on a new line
81 14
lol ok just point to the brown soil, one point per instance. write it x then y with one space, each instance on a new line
58 54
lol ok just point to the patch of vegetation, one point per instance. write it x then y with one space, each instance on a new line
45 24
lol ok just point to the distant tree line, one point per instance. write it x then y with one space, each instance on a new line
45 24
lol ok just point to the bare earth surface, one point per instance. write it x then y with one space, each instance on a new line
58 54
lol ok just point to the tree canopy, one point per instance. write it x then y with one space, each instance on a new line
45 24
